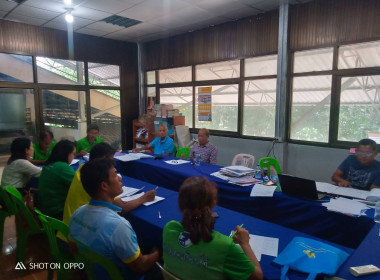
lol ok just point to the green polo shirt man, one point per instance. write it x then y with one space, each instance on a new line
85 144
44 146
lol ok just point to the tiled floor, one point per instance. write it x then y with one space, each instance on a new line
37 252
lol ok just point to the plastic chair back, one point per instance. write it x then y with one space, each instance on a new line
185 151
91 259
51 227
8 208
26 223
267 162
246 160
166 274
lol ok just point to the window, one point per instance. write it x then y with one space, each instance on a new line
105 112
359 110
103 75
175 75
261 66
218 71
17 116
59 71
259 110
64 111
224 99
359 55
150 77
313 60
310 108
16 68
181 98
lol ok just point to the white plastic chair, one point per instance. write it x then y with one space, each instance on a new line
166 274
246 160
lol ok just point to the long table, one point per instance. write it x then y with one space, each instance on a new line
148 226
306 216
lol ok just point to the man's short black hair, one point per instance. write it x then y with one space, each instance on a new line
92 127
368 142
94 172
102 150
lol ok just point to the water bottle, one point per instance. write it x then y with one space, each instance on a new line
198 159
377 211
274 178
258 172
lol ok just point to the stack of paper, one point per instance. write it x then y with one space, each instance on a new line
237 171
346 206
372 195
132 156
260 190
241 181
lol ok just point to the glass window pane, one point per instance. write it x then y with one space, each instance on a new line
261 66
151 77
59 71
218 70
259 110
16 68
64 112
224 99
105 112
175 75
103 75
359 55
182 99
359 111
310 112
17 117
314 60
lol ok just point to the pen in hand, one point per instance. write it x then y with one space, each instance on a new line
235 231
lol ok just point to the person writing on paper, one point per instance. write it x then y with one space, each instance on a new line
77 196
162 145
44 146
85 144
360 171
193 250
207 150
98 225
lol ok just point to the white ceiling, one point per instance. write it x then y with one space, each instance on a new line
159 18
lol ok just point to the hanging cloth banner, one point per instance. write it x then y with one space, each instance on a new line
204 104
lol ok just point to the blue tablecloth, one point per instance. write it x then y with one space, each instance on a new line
148 226
306 216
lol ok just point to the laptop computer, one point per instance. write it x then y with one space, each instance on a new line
299 187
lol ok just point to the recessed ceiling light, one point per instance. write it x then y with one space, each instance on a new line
68 16
67 2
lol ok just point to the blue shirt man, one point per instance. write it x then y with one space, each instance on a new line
162 145
360 171
98 226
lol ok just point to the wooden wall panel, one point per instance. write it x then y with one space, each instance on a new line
331 22
26 39
243 38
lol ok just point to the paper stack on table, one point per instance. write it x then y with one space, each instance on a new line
133 156
237 171
240 181
346 206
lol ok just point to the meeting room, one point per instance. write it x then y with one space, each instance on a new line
187 139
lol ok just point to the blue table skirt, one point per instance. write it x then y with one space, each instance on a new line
148 227
306 216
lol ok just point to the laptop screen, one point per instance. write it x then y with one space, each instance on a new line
299 187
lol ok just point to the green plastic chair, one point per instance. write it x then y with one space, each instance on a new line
91 259
166 274
268 162
185 151
51 227
23 233
7 209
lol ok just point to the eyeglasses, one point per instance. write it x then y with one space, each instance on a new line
367 154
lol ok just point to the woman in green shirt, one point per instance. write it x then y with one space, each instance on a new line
55 179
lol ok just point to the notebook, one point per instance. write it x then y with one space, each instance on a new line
299 187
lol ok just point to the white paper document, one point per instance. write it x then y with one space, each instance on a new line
262 245
75 161
220 176
136 196
326 187
133 156
128 191
346 206
262 190
177 161
156 199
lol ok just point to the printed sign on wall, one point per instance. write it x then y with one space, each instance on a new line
204 104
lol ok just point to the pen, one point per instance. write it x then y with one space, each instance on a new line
156 188
159 215
234 232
